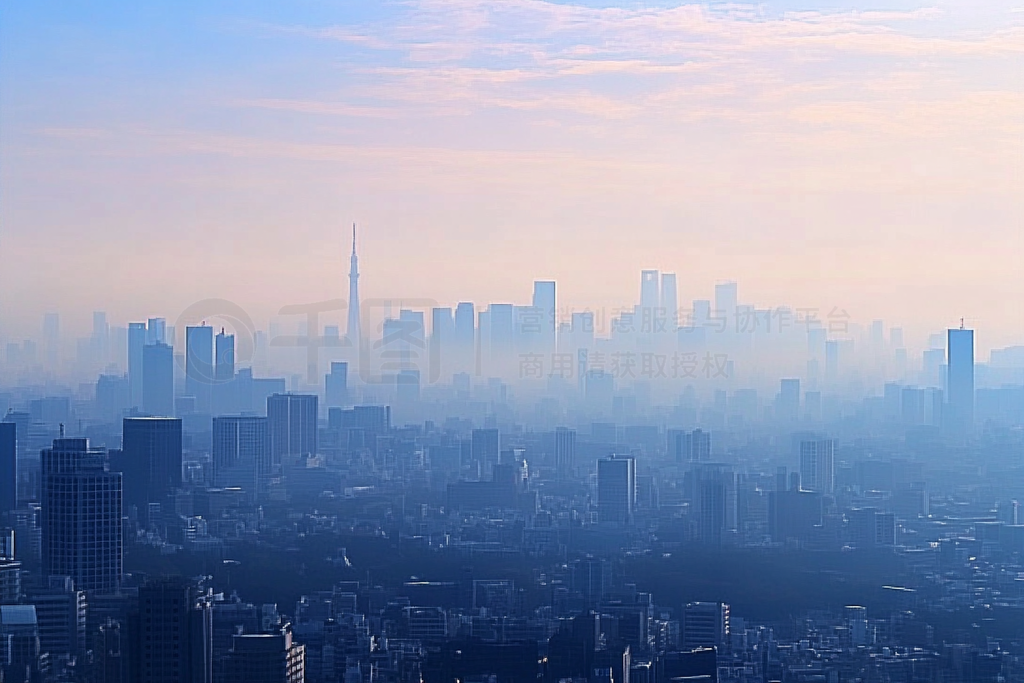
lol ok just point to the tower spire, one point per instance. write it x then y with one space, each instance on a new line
353 332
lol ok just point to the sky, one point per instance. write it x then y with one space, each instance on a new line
823 154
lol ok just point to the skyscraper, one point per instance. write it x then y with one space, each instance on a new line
485 448
292 420
8 468
225 355
616 489
465 336
726 301
670 304
81 501
336 385
714 501
158 379
692 446
787 407
544 307
241 453
156 332
199 371
817 465
173 634
565 452
150 459
960 378
353 331
136 344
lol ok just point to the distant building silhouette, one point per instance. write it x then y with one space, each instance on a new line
158 380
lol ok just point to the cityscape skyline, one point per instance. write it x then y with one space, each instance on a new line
768 145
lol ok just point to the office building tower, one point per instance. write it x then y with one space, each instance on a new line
465 337
692 446
150 459
158 379
336 385
8 468
265 658
726 303
650 298
714 502
544 305
156 332
173 634
292 420
788 403
199 370
10 569
241 454
705 624
669 304
565 452
817 465
616 489
485 448
960 378
442 339
353 332
136 344
81 504
225 355
60 615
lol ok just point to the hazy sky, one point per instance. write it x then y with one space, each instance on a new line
862 155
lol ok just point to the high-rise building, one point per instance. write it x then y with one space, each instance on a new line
81 505
292 420
136 344
616 489
173 634
199 369
960 378
817 465
60 614
241 453
150 460
158 379
266 658
353 332
544 307
565 452
692 446
465 337
788 402
670 304
19 634
485 448
714 501
705 624
225 355
156 332
726 302
336 385
8 468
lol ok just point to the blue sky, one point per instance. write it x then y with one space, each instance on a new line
820 153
